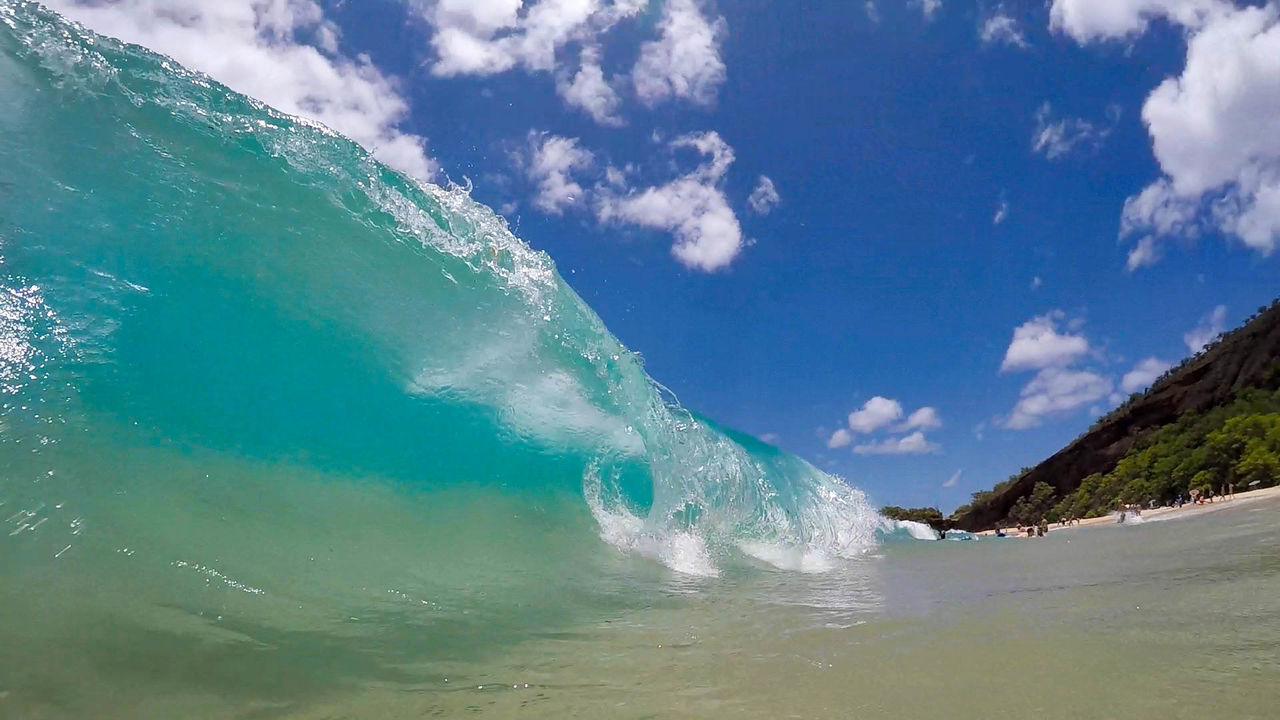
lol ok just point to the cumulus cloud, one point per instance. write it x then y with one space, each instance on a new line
874 414
684 62
1209 327
1038 343
552 162
764 198
928 8
283 52
882 414
913 444
1143 374
692 207
1053 391
1215 129
1000 28
487 37
839 439
953 480
1145 252
1060 137
588 90
926 418
1088 20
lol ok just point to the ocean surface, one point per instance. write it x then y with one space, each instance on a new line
286 434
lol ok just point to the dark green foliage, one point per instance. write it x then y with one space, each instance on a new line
1230 446
1033 508
929 516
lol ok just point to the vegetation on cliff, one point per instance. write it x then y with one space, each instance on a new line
932 517
1237 445
1209 422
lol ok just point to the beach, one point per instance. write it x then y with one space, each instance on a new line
1166 512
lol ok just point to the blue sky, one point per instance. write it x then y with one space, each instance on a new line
983 223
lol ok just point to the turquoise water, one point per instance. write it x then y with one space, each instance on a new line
261 391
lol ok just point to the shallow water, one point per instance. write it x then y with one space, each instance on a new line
1171 619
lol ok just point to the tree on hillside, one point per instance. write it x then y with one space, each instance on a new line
1258 465
1031 509
929 516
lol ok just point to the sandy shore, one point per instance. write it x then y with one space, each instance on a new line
1187 510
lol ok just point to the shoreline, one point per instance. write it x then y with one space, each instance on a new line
1187 510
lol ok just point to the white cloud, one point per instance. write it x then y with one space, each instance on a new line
1056 390
873 13
875 413
1037 344
684 62
552 161
1001 28
1143 374
1215 129
1088 20
925 418
1036 282
282 52
1002 212
913 444
1143 254
485 37
928 8
882 413
1058 138
765 196
589 91
839 439
692 207
953 480
1209 327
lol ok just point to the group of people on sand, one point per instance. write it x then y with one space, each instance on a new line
1129 511
1200 497
1037 530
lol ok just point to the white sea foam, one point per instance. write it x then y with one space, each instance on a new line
917 530
682 551
830 523
785 557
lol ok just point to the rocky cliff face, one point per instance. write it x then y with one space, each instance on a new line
1247 357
